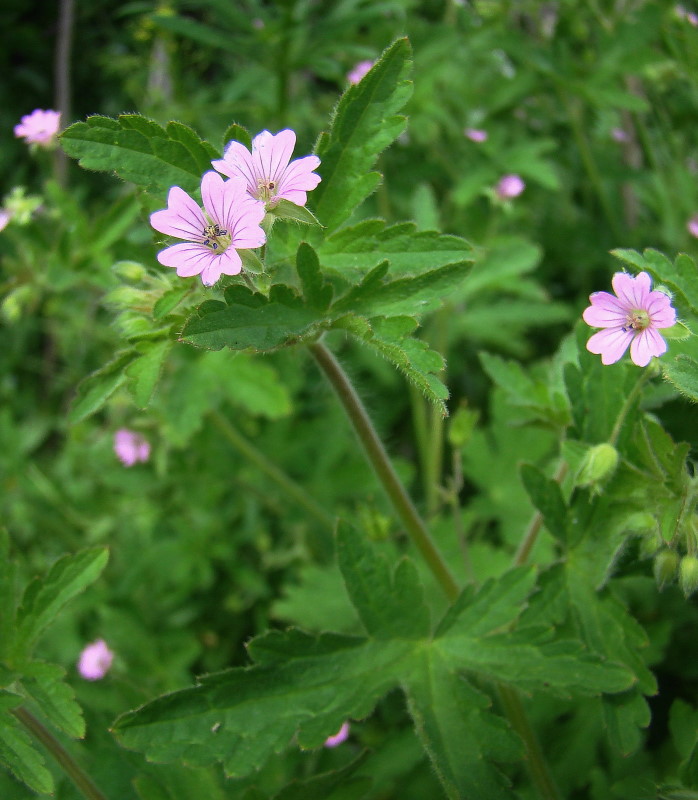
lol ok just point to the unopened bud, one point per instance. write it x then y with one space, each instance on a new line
688 575
462 425
130 271
599 463
665 565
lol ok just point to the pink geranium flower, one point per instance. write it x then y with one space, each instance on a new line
358 71
266 170
692 225
95 660
229 222
631 317
509 186
40 127
131 447
341 736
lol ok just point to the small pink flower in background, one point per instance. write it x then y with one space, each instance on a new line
230 221
357 72
341 736
95 661
509 186
475 135
692 225
619 135
131 447
266 170
5 217
40 127
258 24
630 318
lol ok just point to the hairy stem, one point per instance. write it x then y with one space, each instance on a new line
627 405
378 458
71 768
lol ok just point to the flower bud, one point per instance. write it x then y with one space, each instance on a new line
688 575
665 565
462 425
599 463
130 271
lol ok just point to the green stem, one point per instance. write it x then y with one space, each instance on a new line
536 763
64 44
377 456
293 490
74 771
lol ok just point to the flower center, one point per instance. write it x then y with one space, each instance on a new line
636 320
266 190
216 238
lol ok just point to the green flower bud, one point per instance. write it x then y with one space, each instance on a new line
665 565
599 464
688 575
462 425
130 271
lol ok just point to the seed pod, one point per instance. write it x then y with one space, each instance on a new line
665 565
599 464
688 575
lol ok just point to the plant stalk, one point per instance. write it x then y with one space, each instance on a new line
378 458
71 768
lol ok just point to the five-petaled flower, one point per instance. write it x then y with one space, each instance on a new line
266 170
630 317
509 186
40 127
95 660
228 222
131 447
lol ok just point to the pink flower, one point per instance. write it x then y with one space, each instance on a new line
266 170
5 217
358 71
629 318
130 447
40 127
692 225
230 220
510 186
475 135
95 660
619 135
341 736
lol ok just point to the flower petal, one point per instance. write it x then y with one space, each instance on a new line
605 311
182 218
237 162
271 153
188 258
227 263
632 292
662 314
645 345
610 344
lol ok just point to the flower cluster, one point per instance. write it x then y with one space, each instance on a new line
630 318
130 447
40 127
95 660
233 209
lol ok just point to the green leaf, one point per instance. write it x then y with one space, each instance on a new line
44 598
390 603
353 251
44 683
140 151
683 373
94 391
302 687
143 372
236 133
392 339
285 209
169 301
18 754
364 125
337 785
460 734
317 293
251 321
546 495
